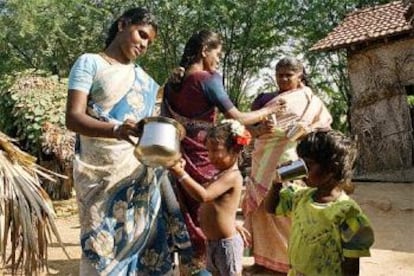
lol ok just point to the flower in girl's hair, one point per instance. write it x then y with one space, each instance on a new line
244 139
241 135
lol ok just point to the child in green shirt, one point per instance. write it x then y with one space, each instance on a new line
329 230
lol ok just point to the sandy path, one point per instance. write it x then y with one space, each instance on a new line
390 206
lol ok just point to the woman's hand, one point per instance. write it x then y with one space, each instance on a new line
245 234
268 125
278 106
127 129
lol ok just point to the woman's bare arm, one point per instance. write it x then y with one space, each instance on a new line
80 122
252 117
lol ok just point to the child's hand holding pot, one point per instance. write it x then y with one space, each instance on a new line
178 168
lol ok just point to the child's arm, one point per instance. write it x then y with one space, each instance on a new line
350 267
272 198
357 237
197 191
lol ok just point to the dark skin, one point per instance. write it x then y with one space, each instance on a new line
328 190
219 196
287 79
130 42
267 126
209 61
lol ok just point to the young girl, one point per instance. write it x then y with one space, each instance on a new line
329 231
220 198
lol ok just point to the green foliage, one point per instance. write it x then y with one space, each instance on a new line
6 105
410 100
252 33
306 23
32 100
50 34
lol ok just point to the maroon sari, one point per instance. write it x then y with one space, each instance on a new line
195 107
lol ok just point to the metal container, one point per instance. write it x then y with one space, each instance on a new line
159 144
272 118
295 170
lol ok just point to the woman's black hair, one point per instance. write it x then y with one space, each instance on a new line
334 152
194 46
305 78
138 16
193 52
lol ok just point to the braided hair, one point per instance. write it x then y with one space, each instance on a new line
193 49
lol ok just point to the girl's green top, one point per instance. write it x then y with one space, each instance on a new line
323 234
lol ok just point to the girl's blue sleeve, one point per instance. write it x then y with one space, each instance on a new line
82 73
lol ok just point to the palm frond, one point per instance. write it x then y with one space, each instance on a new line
26 211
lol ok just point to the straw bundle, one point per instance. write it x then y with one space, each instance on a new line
26 211
58 143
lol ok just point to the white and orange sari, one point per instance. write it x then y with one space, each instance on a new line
270 233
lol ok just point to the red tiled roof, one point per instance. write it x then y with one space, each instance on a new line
366 25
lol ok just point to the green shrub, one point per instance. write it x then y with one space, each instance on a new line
29 100
410 100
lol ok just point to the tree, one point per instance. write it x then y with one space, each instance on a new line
306 23
252 34
48 34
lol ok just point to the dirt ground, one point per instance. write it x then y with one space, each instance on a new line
390 206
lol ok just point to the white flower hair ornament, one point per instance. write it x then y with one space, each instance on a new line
241 135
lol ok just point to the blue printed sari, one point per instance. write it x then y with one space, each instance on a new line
130 219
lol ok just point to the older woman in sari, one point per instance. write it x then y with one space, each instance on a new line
273 146
130 219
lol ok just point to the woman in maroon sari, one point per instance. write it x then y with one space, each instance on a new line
192 96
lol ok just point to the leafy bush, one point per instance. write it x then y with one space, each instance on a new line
32 105
28 102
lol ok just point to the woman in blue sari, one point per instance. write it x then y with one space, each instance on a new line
130 219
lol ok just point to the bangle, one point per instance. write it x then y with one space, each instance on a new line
115 131
184 176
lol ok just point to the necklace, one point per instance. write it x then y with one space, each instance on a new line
111 60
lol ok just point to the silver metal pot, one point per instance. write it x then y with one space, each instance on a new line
159 144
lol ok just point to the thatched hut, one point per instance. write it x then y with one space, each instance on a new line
380 51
